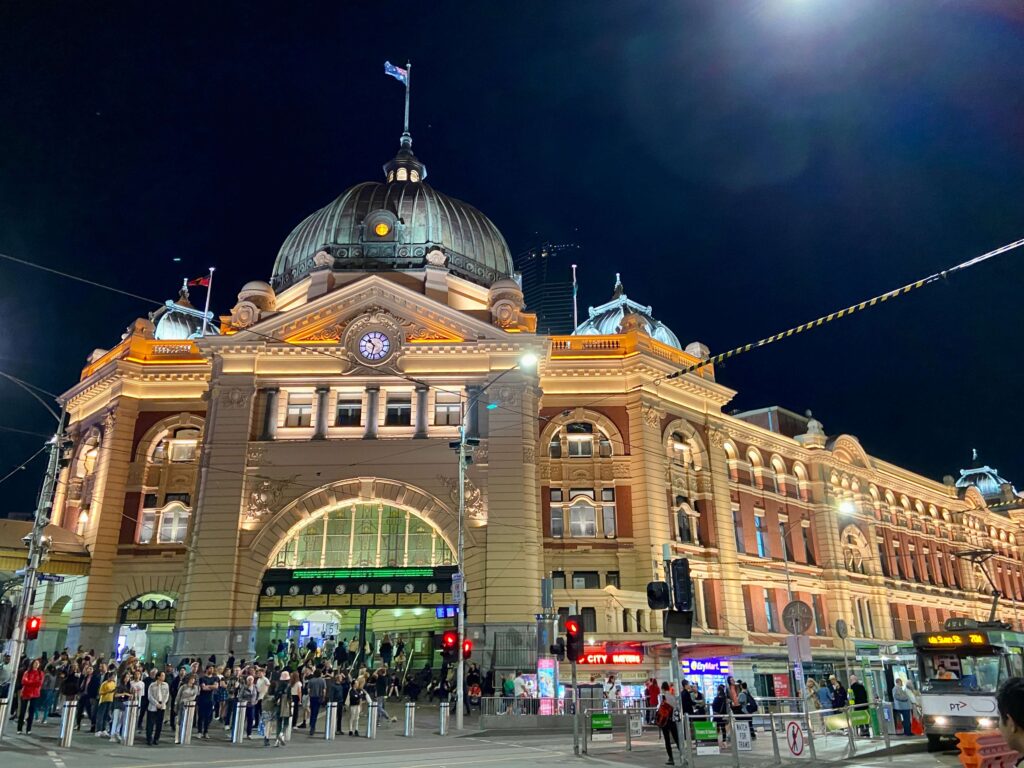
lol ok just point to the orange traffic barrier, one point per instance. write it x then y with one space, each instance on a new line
985 749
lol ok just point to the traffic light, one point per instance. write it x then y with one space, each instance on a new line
657 595
558 649
467 648
682 587
32 624
450 646
574 638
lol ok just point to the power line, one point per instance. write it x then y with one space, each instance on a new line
21 465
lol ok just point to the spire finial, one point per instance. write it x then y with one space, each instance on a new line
618 290
183 292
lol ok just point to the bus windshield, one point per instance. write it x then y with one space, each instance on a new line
966 670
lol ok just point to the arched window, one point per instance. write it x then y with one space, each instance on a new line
855 550
687 519
179 447
582 440
756 465
731 460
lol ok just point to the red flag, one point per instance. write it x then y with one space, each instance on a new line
203 281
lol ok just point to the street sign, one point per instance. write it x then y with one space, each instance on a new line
705 733
636 725
51 577
457 587
799 647
743 741
797 617
795 738
600 726
842 631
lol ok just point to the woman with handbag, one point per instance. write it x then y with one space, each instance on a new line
665 718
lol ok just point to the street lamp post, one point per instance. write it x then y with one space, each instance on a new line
37 542
527 360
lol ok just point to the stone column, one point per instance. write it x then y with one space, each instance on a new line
421 412
95 612
372 404
322 412
270 415
509 596
219 596
473 404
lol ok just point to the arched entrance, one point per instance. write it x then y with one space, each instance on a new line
54 634
357 571
147 626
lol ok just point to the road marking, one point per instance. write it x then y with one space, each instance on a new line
369 755
56 758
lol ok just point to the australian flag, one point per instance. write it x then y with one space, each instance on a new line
396 72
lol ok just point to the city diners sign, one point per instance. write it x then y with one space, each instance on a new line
613 654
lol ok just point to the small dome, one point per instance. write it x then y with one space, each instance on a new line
985 478
260 294
610 318
179 320
393 225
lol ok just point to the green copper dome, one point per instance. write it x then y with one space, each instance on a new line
393 225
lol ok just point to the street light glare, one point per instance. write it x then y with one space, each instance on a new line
847 507
528 360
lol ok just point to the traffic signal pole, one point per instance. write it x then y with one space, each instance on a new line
673 672
575 713
37 546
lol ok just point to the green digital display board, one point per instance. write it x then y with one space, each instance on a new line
363 573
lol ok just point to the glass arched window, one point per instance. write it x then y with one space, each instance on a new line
582 439
178 448
368 535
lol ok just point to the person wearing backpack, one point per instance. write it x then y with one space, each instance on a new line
665 718
748 705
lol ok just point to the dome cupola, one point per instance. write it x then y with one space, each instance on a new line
179 320
621 315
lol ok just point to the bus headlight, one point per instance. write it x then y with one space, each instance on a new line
986 722
941 720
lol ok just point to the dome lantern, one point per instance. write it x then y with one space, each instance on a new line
621 315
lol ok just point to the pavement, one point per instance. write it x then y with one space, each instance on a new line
425 749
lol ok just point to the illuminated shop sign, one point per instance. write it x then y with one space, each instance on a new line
363 573
613 654
705 666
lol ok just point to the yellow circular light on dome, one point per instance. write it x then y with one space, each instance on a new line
381 229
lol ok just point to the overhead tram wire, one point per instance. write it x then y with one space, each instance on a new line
23 464
852 309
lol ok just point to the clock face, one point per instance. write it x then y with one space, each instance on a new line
374 345
409 589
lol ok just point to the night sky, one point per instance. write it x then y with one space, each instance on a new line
745 165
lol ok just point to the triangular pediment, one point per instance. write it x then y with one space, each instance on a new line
421 319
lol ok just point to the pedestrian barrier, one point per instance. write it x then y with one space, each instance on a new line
372 719
3 716
238 723
69 711
131 722
442 719
985 749
183 736
410 718
330 720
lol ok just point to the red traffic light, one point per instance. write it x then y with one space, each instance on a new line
450 639
32 625
573 628
467 648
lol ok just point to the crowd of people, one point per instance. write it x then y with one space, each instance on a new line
286 692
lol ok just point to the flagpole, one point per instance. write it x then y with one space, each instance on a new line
408 85
206 309
575 309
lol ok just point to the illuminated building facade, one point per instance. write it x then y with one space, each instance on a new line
293 468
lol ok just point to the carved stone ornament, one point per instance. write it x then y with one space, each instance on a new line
651 416
476 508
244 314
505 314
234 398
510 397
436 258
264 497
529 454
330 333
545 472
717 438
255 454
322 259
416 332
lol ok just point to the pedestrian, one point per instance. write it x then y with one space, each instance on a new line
295 690
720 709
283 708
386 651
1010 703
49 693
31 689
665 719
6 675
188 693
356 704
339 695
106 704
122 695
316 695
208 686
902 705
268 716
652 692
748 706
839 696
249 695
860 701
159 697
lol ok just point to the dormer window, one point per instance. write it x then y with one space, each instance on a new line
403 174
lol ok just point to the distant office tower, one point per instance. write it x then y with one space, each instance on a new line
547 285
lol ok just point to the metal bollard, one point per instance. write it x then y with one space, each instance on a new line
67 722
238 724
330 720
185 723
442 728
4 703
810 740
372 717
131 722
410 718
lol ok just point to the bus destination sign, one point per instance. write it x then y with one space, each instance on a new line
948 639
